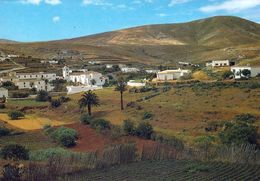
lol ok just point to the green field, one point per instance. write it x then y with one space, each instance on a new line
172 170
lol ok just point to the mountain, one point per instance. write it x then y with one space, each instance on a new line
7 41
197 41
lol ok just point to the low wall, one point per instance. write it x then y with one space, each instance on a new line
78 89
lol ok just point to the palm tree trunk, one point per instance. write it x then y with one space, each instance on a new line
122 102
89 110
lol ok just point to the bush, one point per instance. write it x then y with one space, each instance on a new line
227 74
15 152
147 115
13 172
55 103
9 85
168 140
43 96
245 118
65 136
238 133
2 106
64 99
100 124
42 155
20 94
129 127
144 130
4 131
15 115
86 119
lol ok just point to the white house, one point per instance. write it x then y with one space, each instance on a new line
129 69
150 71
109 66
133 83
88 78
36 75
220 63
172 74
3 92
237 70
33 83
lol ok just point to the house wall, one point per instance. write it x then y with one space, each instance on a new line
85 79
39 85
48 76
220 63
237 71
78 89
3 93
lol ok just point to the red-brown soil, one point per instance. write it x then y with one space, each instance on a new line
91 141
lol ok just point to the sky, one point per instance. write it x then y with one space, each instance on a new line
43 20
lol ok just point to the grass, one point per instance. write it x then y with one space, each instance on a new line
172 170
29 122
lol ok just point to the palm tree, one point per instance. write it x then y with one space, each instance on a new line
121 87
88 99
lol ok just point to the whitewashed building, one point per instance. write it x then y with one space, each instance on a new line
151 71
172 74
36 75
129 70
220 63
134 83
88 78
237 71
3 92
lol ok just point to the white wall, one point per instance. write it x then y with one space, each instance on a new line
237 71
78 89
3 93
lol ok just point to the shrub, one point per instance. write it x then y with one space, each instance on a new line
64 99
4 131
20 94
227 74
129 127
13 171
116 131
86 119
168 140
238 133
245 118
15 115
144 130
9 85
65 136
42 155
15 152
100 124
42 96
147 115
55 103
205 141
2 106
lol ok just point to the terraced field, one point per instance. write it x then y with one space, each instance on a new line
172 170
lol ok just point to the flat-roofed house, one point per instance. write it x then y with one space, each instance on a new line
238 71
88 78
3 92
172 74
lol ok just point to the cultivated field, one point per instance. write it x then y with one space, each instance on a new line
172 170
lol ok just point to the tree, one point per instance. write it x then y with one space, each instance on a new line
42 96
89 99
246 73
121 87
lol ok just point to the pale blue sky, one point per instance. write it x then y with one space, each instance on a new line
41 20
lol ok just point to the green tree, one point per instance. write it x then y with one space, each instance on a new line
89 99
121 87
227 74
93 82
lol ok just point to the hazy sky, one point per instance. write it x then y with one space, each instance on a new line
41 20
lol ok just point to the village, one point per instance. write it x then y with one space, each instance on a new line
81 79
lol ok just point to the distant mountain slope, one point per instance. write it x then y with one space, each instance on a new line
197 41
